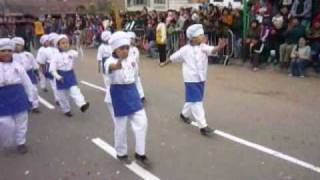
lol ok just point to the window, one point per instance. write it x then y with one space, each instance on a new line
159 1
137 2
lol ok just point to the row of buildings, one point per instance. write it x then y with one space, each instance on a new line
70 6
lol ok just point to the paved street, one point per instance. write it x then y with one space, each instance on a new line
254 113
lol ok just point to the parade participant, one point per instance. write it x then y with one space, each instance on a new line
44 60
122 70
104 52
194 58
15 97
62 68
44 41
134 51
28 62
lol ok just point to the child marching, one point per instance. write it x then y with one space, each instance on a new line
15 97
44 41
194 59
104 52
28 62
62 69
44 59
122 70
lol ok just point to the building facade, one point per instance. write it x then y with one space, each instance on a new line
161 5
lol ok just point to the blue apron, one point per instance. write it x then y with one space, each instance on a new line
32 75
13 100
194 91
125 99
69 80
46 72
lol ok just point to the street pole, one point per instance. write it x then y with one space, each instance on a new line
245 25
245 18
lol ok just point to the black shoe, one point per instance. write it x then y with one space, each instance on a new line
143 160
57 103
22 149
185 119
143 100
85 107
45 90
68 114
124 159
207 131
35 110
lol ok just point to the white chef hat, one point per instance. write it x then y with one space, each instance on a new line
105 36
18 40
194 31
6 44
52 36
44 38
59 38
132 35
119 39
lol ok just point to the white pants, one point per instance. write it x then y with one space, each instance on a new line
106 81
76 95
13 129
110 108
139 87
35 97
42 81
197 111
139 125
53 85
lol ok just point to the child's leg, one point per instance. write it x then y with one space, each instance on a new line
7 130
42 81
291 67
54 89
77 96
139 125
35 97
63 101
120 135
199 114
110 108
186 111
21 121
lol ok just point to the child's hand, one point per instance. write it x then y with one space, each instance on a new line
222 43
60 79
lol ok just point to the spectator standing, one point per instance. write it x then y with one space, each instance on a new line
161 40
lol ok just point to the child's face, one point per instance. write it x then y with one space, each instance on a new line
46 44
63 44
254 24
122 52
5 55
19 48
198 40
302 42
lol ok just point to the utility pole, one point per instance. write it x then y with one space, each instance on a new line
245 24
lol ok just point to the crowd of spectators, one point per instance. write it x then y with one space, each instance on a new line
280 33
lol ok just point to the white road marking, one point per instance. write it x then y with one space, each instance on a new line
46 103
248 143
93 86
134 167
265 150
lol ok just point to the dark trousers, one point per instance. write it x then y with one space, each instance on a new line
297 67
162 52
255 60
